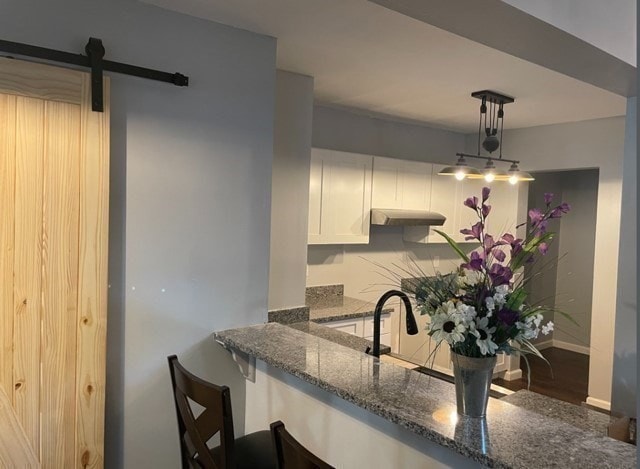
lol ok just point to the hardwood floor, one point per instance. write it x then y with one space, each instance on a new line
567 380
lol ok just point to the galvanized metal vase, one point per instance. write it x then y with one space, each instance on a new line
473 380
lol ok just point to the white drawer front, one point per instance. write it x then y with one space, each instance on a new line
350 326
385 325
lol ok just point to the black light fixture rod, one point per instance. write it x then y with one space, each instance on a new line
94 61
467 155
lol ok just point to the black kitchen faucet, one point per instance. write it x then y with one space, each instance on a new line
412 327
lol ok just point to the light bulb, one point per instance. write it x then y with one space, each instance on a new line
513 179
489 177
460 175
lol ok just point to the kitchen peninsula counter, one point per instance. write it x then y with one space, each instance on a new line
511 436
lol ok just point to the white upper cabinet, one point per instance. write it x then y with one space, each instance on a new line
339 197
448 196
504 209
401 184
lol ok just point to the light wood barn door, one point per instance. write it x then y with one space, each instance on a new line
54 182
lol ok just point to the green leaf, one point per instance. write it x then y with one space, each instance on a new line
516 299
454 245
528 248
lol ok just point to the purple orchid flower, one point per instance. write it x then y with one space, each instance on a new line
489 243
516 249
474 233
471 202
543 248
485 193
475 262
507 316
486 209
515 243
499 255
536 216
541 228
559 210
548 198
500 275
508 237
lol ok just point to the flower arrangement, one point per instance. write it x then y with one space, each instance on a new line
481 310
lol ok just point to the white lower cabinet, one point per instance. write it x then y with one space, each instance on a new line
363 327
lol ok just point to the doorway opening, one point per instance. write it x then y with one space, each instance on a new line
564 280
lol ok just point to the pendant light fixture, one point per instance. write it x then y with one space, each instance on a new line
492 121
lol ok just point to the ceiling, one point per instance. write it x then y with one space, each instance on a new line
364 56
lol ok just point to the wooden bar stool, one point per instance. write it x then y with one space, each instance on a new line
253 451
290 453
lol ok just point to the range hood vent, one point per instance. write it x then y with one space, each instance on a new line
399 217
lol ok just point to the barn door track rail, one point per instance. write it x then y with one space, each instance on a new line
94 60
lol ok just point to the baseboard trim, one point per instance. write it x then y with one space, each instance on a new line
571 347
544 345
599 403
512 375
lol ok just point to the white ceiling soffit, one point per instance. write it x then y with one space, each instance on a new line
367 57
610 26
504 27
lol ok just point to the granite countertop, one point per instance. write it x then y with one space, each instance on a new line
338 337
510 437
343 307
580 417
327 303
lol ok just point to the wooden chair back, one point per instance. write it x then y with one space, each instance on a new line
291 454
195 432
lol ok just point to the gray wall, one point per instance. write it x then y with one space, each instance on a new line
541 287
576 248
561 278
625 359
290 189
190 202
338 129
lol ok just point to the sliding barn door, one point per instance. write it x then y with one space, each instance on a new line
54 168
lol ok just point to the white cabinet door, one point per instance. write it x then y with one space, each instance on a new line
420 348
386 191
385 325
320 159
444 199
504 209
416 187
401 184
339 197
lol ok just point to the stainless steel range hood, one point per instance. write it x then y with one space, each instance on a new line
400 217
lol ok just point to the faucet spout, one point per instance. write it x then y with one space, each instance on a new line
412 326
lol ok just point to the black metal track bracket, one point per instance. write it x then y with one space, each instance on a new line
94 60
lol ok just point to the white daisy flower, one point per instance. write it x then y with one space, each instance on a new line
445 327
499 299
471 277
465 313
484 335
547 328
538 319
527 328
490 303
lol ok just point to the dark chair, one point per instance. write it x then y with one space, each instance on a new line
291 454
253 451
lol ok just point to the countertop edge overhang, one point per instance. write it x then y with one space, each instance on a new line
512 437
